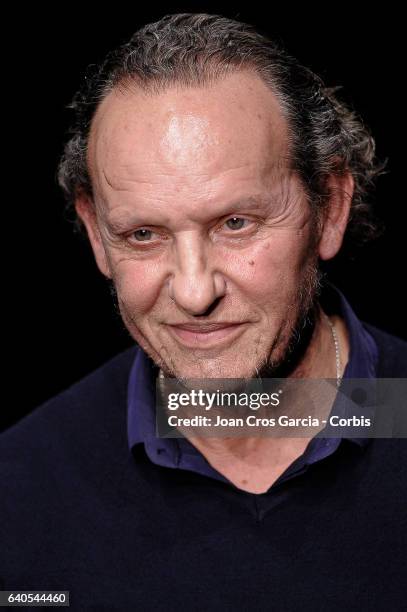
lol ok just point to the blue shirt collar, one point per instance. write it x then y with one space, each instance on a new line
363 353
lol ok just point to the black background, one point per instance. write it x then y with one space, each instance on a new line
60 323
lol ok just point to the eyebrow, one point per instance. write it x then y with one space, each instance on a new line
256 203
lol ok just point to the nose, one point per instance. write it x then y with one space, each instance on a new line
195 284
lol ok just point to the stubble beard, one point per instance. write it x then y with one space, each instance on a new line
300 333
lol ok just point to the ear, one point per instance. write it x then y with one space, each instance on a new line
340 189
85 209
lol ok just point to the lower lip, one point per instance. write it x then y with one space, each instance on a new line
193 339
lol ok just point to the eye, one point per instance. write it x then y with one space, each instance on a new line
142 235
236 223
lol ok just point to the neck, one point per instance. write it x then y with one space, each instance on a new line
318 359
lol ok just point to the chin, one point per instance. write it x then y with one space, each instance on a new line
242 360
258 359
211 368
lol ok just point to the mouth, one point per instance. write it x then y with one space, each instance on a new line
206 335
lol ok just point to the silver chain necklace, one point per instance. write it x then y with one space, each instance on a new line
337 351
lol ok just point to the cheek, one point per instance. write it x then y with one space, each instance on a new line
271 267
137 285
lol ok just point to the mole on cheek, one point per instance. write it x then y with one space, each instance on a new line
251 263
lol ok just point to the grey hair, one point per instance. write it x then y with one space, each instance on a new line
196 49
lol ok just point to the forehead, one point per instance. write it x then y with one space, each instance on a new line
190 134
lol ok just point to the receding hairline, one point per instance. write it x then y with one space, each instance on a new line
131 85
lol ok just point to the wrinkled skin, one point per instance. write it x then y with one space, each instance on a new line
198 217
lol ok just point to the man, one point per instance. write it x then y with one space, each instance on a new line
213 174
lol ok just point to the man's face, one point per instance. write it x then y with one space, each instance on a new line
200 221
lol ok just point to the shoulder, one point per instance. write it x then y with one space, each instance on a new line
60 465
392 353
80 416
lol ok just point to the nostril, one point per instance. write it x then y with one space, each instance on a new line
209 310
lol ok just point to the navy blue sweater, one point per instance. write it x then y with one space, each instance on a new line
79 512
